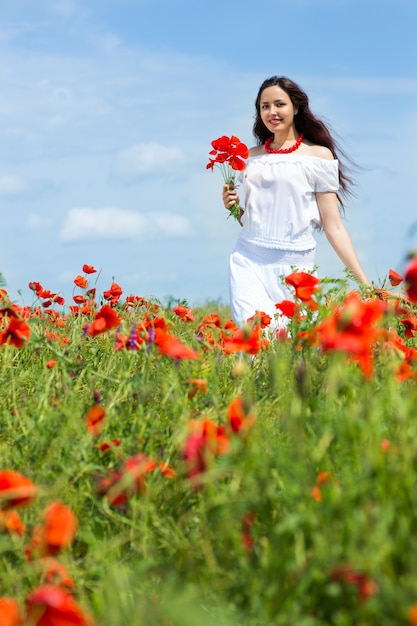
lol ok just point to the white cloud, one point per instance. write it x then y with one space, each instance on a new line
11 185
146 159
114 223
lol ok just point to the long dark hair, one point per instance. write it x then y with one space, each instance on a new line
313 129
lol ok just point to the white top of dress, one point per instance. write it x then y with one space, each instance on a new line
280 204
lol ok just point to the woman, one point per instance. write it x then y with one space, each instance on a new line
293 184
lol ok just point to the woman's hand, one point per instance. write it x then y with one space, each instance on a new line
230 196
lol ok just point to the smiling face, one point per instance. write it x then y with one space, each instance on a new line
276 109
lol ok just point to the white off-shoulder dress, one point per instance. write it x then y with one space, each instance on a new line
277 234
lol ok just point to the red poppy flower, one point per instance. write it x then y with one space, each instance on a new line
410 279
15 489
212 321
184 313
49 605
113 294
260 318
60 525
305 284
11 523
54 573
228 150
55 533
352 328
89 269
36 287
247 340
10 613
94 420
287 308
166 470
105 319
59 300
104 446
16 333
51 363
316 493
45 294
196 385
129 480
366 586
172 347
394 278
81 282
205 441
410 325
240 417
385 445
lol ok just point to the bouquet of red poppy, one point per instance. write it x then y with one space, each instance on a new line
229 155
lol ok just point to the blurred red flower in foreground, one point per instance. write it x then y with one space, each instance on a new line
287 308
394 278
60 526
15 489
196 385
247 340
16 333
10 614
366 586
10 523
260 319
410 279
55 533
54 573
89 269
129 480
352 328
410 325
104 446
241 418
49 605
94 420
205 441
171 346
323 478
304 284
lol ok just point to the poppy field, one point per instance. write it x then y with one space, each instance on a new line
160 466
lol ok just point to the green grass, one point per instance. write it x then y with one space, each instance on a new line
174 554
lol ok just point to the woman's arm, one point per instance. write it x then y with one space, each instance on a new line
338 236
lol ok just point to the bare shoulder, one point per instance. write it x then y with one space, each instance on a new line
312 149
256 150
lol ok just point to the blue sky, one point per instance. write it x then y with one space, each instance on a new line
108 108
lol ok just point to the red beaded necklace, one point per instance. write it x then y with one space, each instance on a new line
285 150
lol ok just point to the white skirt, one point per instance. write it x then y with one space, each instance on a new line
256 279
